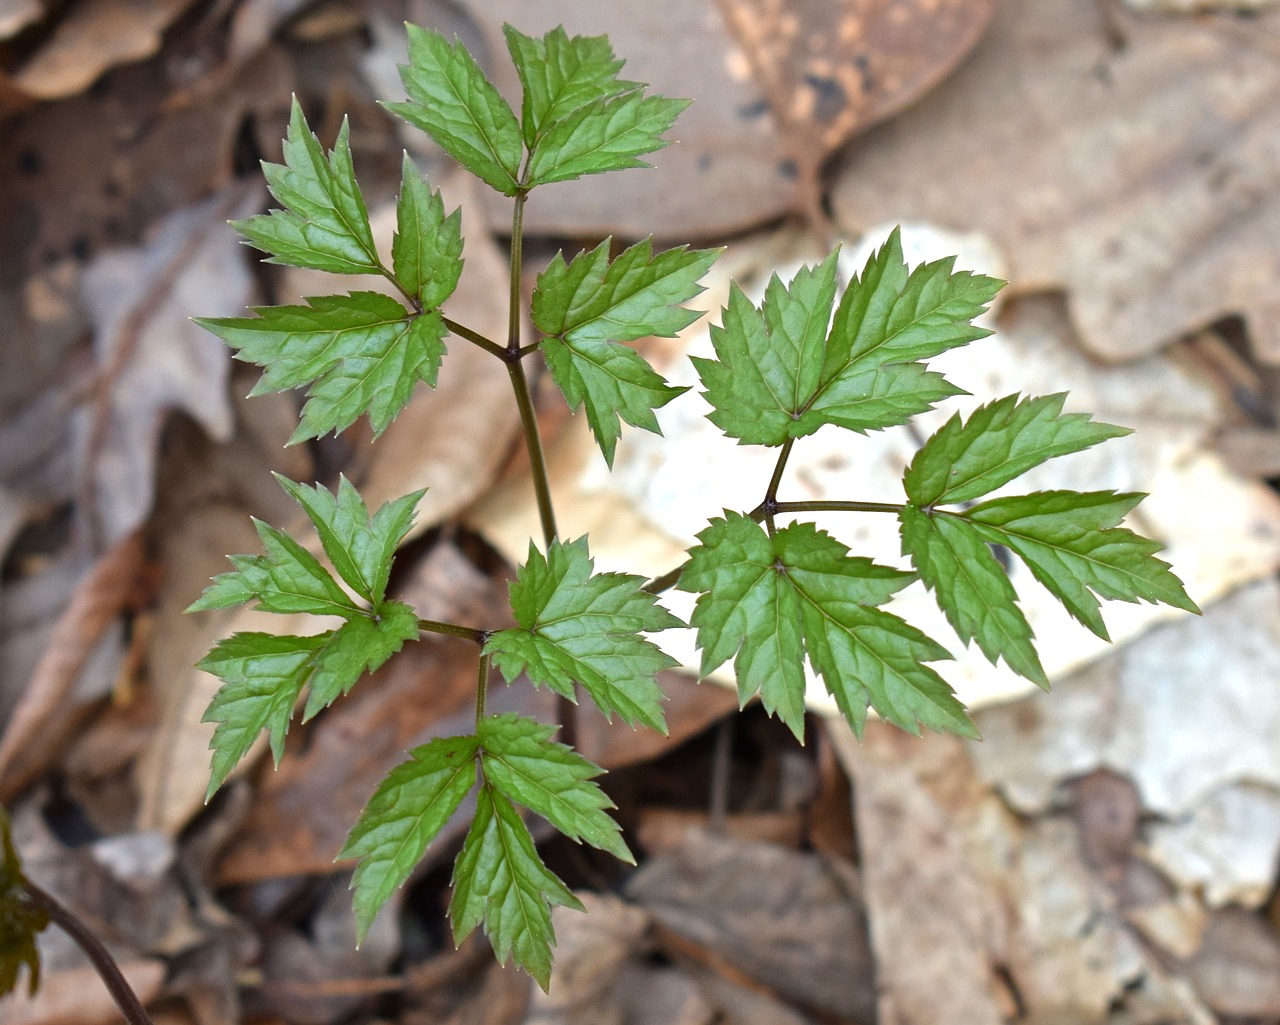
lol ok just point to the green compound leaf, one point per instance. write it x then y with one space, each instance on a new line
453 102
1070 542
770 601
426 253
262 675
580 627
325 225
360 547
357 647
20 919
1000 441
526 766
971 588
406 812
358 353
288 579
788 367
561 75
499 880
586 307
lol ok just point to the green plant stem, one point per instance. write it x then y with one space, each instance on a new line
568 712
771 492
453 630
770 503
520 382
517 270
533 445
105 965
482 687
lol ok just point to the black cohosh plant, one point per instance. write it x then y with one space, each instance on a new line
772 589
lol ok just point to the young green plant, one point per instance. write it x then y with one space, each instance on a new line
773 591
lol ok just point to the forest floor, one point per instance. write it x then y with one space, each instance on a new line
1106 854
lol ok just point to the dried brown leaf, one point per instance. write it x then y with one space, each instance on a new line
152 359
15 15
728 170
173 772
832 69
76 996
1132 164
93 37
781 918
96 602
1237 970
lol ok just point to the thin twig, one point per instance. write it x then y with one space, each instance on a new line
105 965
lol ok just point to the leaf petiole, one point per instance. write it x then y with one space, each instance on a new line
765 510
453 630
796 507
476 338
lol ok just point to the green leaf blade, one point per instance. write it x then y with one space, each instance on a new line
498 879
586 307
325 225
262 675
787 368
864 655
577 626
875 398
360 547
378 379
287 580
773 600
426 252
359 353
971 589
453 102
295 345
359 646
613 382
744 611
522 762
560 74
1070 542
769 357
406 812
604 135
749 398
890 315
637 295
1000 440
